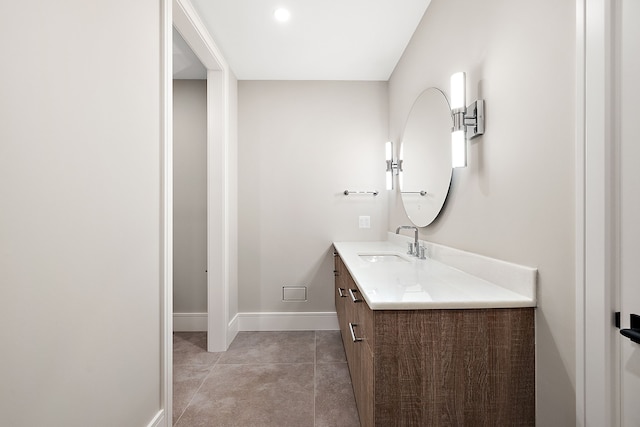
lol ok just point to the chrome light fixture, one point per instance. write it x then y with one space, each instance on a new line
468 121
393 166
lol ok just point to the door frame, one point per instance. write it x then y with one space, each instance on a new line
597 397
187 22
182 15
165 416
193 31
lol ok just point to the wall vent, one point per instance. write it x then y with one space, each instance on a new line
294 293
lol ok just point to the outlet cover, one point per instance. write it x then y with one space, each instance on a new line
364 221
294 293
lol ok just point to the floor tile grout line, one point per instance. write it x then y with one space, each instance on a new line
315 359
198 389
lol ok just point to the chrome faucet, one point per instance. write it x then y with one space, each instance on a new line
413 247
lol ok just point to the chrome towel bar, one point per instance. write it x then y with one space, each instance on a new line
348 192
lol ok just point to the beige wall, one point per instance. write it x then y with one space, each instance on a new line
189 196
301 144
80 213
515 201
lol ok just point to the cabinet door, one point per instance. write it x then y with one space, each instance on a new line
341 294
361 354
363 383
350 328
342 301
359 313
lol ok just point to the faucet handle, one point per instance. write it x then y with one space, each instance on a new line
410 248
422 252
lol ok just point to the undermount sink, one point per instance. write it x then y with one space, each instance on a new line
382 258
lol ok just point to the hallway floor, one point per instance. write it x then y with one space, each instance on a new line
265 379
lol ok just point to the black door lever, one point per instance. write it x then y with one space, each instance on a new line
634 333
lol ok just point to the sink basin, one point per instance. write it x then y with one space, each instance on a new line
382 258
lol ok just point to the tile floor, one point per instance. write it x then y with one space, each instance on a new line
265 379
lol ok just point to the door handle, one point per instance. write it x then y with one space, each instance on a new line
634 333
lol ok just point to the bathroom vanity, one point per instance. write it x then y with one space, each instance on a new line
432 345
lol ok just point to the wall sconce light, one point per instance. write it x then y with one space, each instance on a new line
393 166
468 121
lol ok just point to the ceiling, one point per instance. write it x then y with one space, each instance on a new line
323 40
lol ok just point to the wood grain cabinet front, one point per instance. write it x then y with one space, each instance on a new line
468 367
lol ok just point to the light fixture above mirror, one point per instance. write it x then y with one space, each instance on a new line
468 121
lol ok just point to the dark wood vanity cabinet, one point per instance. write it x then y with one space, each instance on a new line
471 367
356 320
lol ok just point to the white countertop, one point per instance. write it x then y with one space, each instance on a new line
413 283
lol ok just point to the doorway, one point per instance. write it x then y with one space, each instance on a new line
189 189
626 94
221 184
221 211
608 181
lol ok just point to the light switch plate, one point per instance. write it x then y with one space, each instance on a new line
364 221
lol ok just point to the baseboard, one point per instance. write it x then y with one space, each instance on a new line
285 321
232 330
190 322
279 321
158 420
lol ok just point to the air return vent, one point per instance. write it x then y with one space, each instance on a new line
294 293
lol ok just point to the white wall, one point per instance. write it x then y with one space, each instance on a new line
301 144
189 196
515 201
80 320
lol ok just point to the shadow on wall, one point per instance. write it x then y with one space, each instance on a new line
319 281
551 359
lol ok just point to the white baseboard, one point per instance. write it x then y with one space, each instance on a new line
158 420
232 330
279 321
190 322
285 321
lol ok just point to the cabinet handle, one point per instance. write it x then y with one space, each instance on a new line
336 273
340 293
353 297
353 334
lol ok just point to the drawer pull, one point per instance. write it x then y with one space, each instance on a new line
353 334
341 293
353 297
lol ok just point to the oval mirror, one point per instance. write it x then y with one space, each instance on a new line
425 152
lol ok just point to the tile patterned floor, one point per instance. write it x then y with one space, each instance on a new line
265 379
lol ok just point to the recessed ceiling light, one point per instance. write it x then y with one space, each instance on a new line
282 14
